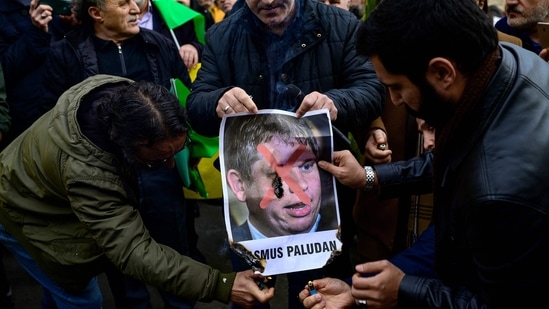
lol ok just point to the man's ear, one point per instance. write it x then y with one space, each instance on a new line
95 13
441 74
236 184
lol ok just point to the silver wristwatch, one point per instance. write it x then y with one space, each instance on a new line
370 178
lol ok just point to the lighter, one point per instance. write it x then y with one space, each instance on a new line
311 286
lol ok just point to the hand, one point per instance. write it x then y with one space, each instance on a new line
331 294
346 169
315 101
185 2
544 54
41 14
235 100
372 152
380 290
189 54
245 291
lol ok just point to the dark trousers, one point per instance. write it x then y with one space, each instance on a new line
6 301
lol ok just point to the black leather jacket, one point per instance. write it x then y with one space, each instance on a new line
413 176
492 218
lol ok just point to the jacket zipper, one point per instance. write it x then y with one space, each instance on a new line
122 62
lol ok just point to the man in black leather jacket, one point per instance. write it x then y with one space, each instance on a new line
489 104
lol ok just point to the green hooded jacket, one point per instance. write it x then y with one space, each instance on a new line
64 201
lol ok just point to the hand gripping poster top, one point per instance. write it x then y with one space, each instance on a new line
281 210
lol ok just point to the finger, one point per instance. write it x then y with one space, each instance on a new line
33 5
380 136
306 105
314 301
303 295
371 267
224 109
246 103
328 167
333 113
42 14
263 295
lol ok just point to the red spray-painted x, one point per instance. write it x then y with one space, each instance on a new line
284 172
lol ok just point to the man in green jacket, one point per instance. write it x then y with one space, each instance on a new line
68 191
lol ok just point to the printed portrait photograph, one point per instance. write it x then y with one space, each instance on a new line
273 184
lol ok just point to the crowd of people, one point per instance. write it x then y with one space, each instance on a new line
89 130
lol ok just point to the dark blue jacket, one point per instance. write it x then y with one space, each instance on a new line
319 55
527 41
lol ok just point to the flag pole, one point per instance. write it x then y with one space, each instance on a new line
175 39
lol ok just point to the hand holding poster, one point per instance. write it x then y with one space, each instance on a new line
281 209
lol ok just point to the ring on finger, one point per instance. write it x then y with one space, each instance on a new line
43 15
362 303
226 108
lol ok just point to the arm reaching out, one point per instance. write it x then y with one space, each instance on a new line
346 169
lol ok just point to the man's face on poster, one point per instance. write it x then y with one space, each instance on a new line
284 197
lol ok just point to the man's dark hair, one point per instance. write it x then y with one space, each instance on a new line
407 34
140 114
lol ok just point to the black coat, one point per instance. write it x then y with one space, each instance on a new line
492 213
74 58
23 51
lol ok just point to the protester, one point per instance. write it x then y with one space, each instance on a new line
217 13
67 205
25 38
297 56
483 252
382 227
190 49
211 12
296 204
109 41
226 6
26 31
428 133
521 20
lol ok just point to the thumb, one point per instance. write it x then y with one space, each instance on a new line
380 137
327 166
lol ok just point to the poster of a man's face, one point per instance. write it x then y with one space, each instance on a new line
273 186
